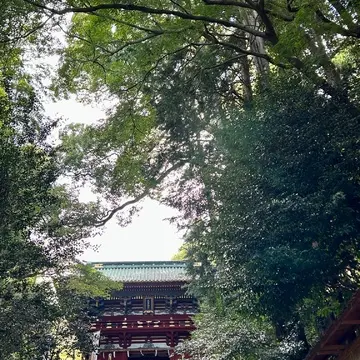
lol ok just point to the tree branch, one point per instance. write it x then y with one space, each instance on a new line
146 192
247 6
229 3
225 63
290 8
150 10
247 52
122 22
28 33
354 31
343 13
133 42
270 30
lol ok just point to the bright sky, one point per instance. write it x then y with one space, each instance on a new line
149 236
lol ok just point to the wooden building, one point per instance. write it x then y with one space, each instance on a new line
149 316
341 341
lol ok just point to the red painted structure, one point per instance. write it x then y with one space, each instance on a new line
149 317
341 340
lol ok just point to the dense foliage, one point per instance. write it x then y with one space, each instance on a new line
244 115
41 314
284 236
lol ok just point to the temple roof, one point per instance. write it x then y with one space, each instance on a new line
340 336
144 271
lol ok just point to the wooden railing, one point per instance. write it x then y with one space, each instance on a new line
143 324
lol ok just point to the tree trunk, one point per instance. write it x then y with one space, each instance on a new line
257 45
245 72
246 80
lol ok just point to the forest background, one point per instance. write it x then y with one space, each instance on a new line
243 115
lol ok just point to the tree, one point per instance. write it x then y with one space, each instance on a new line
38 234
53 317
181 254
238 336
216 52
244 116
70 329
283 235
260 30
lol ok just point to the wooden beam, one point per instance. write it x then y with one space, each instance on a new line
351 322
330 349
334 347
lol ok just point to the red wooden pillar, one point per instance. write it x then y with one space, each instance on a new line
121 356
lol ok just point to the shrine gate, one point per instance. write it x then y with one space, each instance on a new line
149 316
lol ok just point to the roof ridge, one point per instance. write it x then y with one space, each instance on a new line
147 262
150 271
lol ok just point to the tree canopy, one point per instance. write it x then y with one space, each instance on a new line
40 235
242 114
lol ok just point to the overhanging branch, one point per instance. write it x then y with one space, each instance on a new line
149 10
145 193
29 32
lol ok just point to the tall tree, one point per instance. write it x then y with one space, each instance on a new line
39 235
284 231
216 52
242 114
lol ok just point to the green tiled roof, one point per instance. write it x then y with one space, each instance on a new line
144 271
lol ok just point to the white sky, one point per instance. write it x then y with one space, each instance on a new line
149 236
